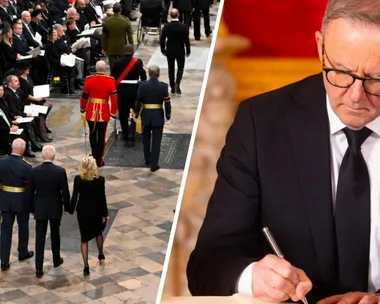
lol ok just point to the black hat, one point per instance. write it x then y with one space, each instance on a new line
35 13
22 65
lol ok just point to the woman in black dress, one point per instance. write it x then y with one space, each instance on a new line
89 200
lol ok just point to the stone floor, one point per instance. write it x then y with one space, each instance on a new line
140 203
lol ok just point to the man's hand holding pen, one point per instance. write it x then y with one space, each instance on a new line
275 280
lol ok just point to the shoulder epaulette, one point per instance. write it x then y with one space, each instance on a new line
25 161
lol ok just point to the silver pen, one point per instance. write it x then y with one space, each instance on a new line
272 242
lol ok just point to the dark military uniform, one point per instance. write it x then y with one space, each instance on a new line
14 176
114 36
127 90
153 95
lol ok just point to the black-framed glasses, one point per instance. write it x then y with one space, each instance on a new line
344 79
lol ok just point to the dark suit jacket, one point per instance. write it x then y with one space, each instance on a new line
15 103
53 55
29 33
89 197
274 171
6 15
153 92
49 191
5 137
14 172
174 39
20 45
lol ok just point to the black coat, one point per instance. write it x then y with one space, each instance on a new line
15 102
49 191
29 34
89 197
183 5
20 45
175 39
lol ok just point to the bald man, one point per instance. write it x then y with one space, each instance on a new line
13 202
49 196
94 104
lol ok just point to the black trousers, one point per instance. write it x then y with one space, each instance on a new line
6 234
171 66
41 228
98 132
197 22
152 144
185 17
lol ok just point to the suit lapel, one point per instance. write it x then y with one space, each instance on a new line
309 129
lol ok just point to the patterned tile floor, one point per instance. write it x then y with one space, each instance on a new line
141 207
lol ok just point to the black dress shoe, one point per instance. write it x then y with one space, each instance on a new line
28 256
5 267
154 169
59 263
178 90
101 257
39 274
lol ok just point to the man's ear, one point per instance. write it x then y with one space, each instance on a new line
319 41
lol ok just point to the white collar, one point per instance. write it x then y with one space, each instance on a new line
337 125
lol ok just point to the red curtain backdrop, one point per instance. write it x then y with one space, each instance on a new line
276 28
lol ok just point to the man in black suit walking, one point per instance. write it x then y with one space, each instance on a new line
175 45
153 95
14 179
303 161
49 195
127 72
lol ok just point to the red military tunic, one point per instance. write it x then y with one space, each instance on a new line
97 91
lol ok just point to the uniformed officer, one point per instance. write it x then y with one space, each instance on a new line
97 91
153 95
14 177
127 72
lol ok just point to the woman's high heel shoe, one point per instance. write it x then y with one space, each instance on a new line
86 271
101 257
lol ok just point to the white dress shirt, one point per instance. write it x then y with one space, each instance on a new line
371 154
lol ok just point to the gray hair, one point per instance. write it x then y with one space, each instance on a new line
101 66
154 71
9 78
24 13
71 10
48 152
57 26
362 11
18 144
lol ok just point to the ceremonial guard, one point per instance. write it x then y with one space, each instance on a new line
14 203
153 95
97 91
127 71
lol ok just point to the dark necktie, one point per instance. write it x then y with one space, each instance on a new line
352 215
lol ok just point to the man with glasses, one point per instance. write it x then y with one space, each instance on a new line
304 161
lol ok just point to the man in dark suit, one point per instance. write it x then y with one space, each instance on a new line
28 31
175 45
153 95
14 178
201 8
127 72
116 29
303 161
49 195
6 14
20 44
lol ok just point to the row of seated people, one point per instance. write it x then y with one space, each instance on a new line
19 38
15 94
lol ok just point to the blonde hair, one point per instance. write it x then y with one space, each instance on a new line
88 169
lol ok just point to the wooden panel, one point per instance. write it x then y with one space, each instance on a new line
258 75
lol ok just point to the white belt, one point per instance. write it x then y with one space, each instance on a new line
130 81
